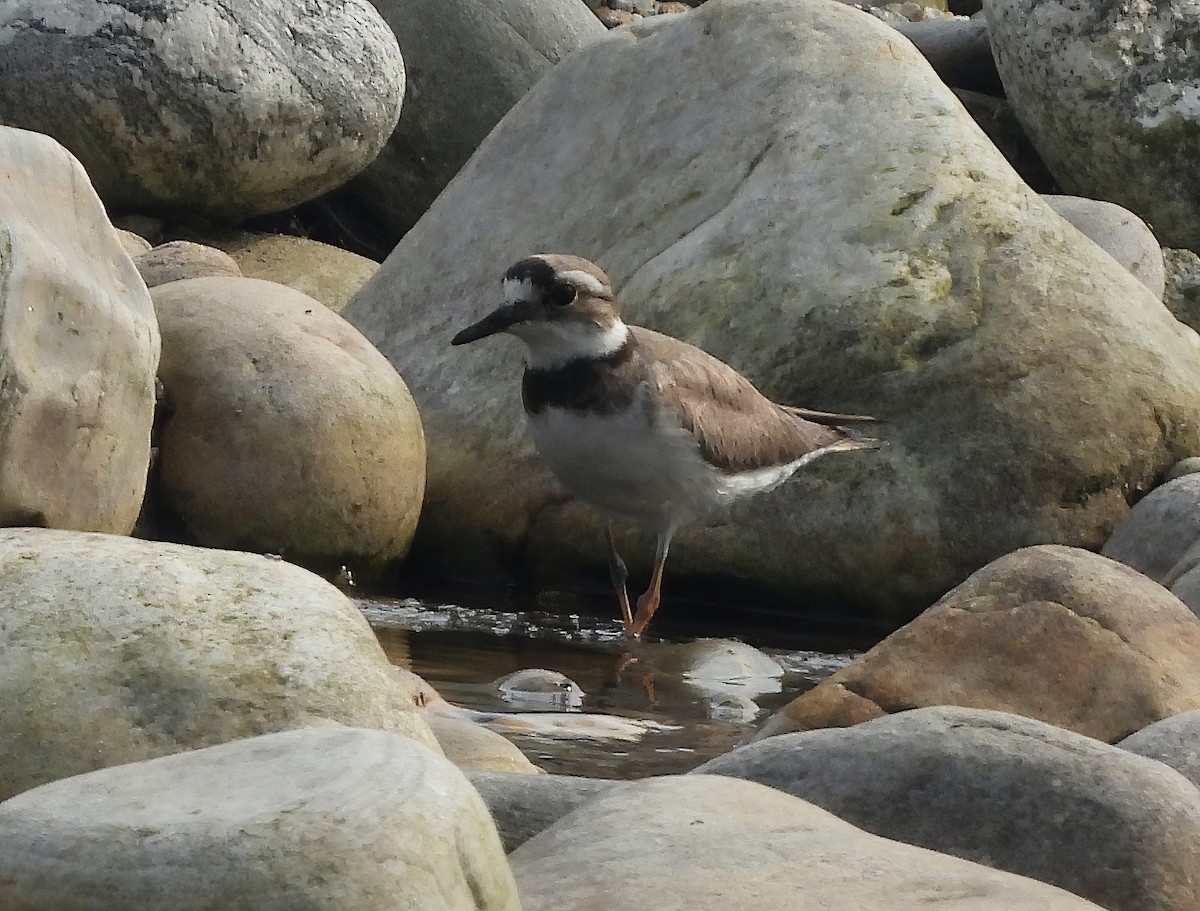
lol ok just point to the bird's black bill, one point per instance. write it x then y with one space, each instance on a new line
496 321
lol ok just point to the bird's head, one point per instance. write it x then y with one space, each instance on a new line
562 307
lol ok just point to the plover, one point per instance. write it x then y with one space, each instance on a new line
640 424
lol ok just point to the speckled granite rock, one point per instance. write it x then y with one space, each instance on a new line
225 109
1107 91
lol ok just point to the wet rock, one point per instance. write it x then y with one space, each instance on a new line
713 660
1119 233
700 842
1002 790
227 110
722 676
539 688
180 259
470 746
1048 632
468 62
1173 741
290 433
325 818
327 274
118 650
979 321
524 805
79 347
1107 92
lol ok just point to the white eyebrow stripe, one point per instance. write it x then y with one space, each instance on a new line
583 280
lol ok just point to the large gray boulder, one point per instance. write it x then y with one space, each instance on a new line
201 106
1107 92
467 62
1005 640
889 261
79 347
288 433
524 805
1015 794
117 650
1173 741
1120 234
1160 530
701 843
325 819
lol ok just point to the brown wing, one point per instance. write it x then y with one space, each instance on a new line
738 428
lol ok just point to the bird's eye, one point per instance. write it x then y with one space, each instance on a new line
563 294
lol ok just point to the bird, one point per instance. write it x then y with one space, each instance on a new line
639 424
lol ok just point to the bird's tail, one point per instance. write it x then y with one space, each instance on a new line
828 418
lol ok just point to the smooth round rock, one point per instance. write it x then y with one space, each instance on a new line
200 106
289 434
117 650
1157 535
694 842
1048 632
1107 92
1120 234
539 688
180 259
524 805
327 274
329 818
470 746
1009 792
79 347
1173 741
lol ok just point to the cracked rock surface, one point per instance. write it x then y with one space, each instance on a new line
1010 792
202 106
1048 632
889 262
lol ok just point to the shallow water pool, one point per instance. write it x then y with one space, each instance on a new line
689 718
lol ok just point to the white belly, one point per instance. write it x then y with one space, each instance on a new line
624 463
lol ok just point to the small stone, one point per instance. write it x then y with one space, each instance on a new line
182 259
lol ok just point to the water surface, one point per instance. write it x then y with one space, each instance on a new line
462 649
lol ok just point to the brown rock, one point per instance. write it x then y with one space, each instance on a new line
328 274
1053 633
180 259
475 748
290 434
